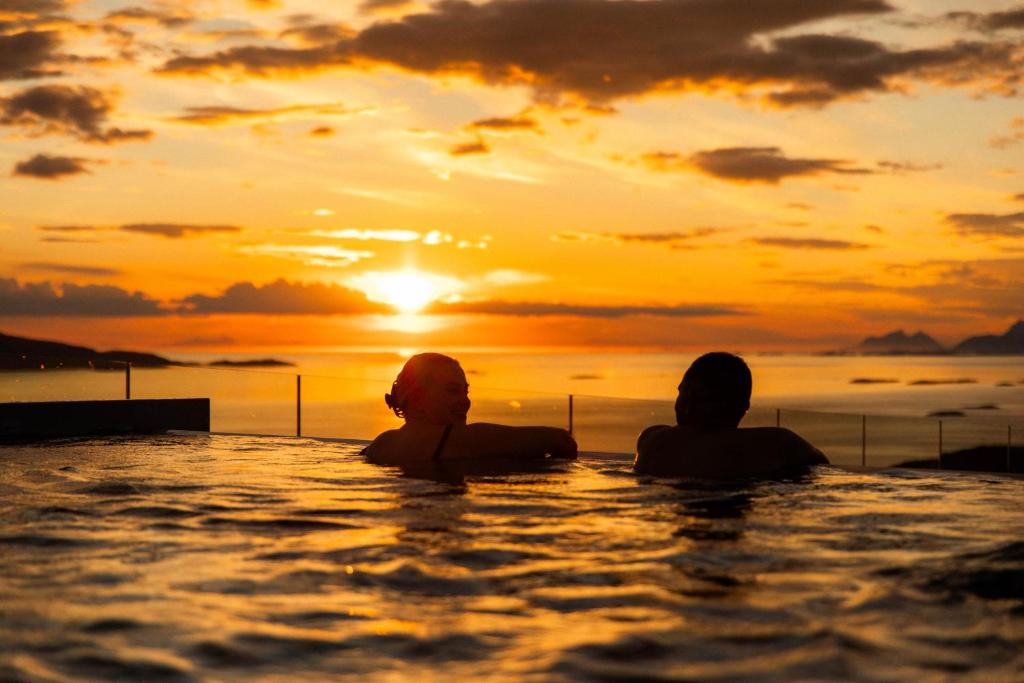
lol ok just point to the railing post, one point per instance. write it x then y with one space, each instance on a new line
778 417
864 440
1009 445
570 414
127 381
298 405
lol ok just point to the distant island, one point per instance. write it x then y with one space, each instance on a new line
21 353
1010 343
255 363
900 342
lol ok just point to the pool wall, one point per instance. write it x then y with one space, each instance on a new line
57 419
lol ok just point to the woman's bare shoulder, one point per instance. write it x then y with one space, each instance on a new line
383 445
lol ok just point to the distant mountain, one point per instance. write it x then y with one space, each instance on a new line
1010 342
21 353
899 342
255 363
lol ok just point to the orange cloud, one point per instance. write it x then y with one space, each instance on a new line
51 167
597 51
80 112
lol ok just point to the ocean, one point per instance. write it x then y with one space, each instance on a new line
980 400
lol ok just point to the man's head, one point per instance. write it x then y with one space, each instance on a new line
714 393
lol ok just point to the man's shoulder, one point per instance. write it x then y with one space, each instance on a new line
728 453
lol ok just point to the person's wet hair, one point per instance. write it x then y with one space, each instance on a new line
715 392
416 374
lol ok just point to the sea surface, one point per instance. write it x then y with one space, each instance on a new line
186 558
615 395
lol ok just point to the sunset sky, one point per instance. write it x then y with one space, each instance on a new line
753 174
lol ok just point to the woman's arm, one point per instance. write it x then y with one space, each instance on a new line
486 440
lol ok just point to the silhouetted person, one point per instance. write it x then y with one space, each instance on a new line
432 395
707 441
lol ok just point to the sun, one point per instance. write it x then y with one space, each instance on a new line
408 290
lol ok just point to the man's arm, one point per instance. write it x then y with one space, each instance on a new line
800 451
648 455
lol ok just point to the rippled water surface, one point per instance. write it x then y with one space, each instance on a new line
230 558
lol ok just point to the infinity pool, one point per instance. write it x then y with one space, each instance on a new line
229 558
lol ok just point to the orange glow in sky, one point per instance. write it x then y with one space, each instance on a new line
210 173
407 290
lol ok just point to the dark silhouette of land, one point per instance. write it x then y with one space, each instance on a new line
899 342
255 363
975 459
1010 343
22 353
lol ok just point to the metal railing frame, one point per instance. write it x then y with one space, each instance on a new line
570 407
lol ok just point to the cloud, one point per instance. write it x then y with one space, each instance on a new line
1015 135
809 243
321 256
23 55
141 15
218 115
285 298
675 239
749 164
900 167
988 224
69 240
176 230
70 269
317 34
469 148
534 309
80 112
396 235
322 132
977 288
506 124
168 230
89 301
1001 20
507 277
832 285
50 168
375 6
993 21
604 50
262 60
1019 197
30 7
597 51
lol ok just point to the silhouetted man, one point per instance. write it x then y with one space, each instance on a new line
707 441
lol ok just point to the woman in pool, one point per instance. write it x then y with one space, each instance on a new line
432 396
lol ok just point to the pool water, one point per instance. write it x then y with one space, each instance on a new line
229 558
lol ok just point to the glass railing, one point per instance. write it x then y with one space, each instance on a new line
272 402
51 378
241 401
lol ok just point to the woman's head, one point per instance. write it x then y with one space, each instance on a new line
430 388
